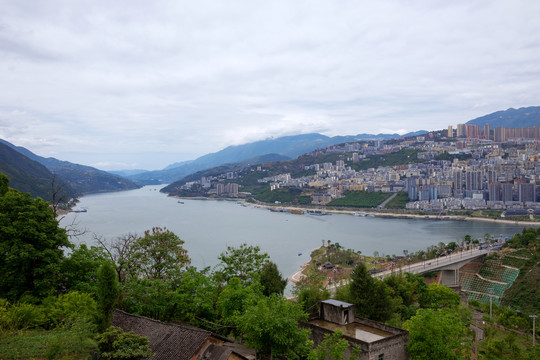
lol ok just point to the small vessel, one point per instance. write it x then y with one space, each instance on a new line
299 254
297 211
180 202
360 213
317 212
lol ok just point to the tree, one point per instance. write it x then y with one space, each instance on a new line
309 297
334 347
438 334
78 271
120 252
242 262
235 299
116 344
370 296
271 326
271 279
158 255
31 245
108 293
439 296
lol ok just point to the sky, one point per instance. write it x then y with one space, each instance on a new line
138 84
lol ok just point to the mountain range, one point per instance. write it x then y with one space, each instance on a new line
32 173
39 172
510 118
287 146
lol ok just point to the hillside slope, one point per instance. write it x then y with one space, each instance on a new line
289 146
27 175
83 179
510 118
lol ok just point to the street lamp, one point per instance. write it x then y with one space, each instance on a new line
534 328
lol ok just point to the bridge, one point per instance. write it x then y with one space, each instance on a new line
449 265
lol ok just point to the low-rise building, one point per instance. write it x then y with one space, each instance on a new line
376 341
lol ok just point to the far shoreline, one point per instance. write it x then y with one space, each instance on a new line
375 213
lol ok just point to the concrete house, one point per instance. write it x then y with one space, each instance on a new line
376 340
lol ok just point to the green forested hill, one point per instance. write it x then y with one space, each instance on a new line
83 179
27 175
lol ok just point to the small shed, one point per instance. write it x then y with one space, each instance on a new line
336 311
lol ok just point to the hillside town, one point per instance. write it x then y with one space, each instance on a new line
469 168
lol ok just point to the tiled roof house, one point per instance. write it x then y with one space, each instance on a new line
179 342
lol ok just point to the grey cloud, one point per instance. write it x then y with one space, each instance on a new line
192 77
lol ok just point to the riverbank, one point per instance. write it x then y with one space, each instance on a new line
408 216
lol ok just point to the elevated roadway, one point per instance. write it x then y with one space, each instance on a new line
449 265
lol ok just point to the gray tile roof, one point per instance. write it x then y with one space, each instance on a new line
167 341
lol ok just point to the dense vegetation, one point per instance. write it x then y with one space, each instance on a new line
29 176
58 304
401 157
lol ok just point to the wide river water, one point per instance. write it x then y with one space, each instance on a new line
209 226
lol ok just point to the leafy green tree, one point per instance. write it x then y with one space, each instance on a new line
31 246
438 334
66 308
439 296
334 347
242 262
371 297
4 184
158 255
271 326
78 271
309 297
108 293
190 297
271 279
236 298
116 344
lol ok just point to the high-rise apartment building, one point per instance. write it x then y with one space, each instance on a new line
460 130
486 132
507 192
499 134
450 132
527 192
473 180
494 191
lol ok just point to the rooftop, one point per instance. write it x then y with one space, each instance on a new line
355 330
337 303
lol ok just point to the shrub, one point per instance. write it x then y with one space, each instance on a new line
65 308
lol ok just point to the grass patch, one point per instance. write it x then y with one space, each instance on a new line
360 199
25 344
399 202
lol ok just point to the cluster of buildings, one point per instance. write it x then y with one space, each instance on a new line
499 134
490 176
470 170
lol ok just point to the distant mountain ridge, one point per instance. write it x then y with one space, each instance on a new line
29 176
289 146
510 118
82 179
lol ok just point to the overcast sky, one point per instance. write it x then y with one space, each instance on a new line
142 84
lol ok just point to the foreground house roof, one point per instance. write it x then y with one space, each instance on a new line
179 342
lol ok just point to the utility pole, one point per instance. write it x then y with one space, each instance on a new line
534 328
490 292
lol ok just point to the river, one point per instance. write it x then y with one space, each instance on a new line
209 226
